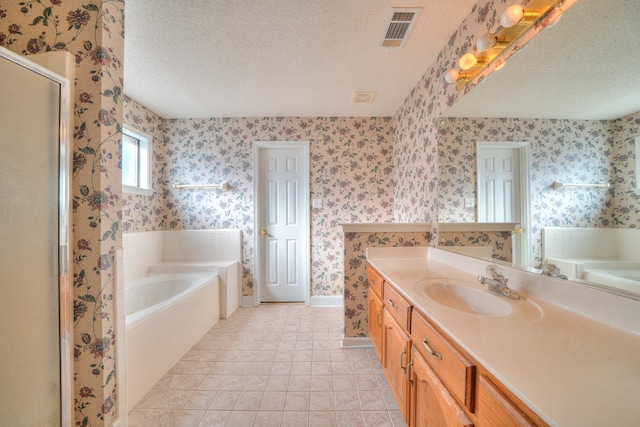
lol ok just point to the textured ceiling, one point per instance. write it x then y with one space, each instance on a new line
255 58
584 67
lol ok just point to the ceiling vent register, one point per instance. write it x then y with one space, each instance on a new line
398 26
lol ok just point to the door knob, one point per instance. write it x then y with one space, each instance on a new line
517 230
263 232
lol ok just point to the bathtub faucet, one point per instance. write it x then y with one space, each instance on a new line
497 283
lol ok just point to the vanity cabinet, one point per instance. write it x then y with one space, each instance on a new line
496 408
375 311
435 382
397 353
431 404
397 345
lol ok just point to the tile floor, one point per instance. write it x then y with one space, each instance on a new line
272 365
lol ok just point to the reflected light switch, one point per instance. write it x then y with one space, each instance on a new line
317 203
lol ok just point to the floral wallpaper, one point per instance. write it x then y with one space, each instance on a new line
501 242
94 32
356 289
626 210
351 170
146 213
561 150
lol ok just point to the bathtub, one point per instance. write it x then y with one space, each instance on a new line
166 314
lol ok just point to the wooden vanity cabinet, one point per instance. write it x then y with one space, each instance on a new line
452 366
375 326
497 408
431 404
435 382
397 345
397 353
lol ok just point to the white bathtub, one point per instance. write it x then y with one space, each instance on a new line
166 314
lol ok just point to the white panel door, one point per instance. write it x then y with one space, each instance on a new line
498 185
283 225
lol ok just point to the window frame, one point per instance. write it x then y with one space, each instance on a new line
143 139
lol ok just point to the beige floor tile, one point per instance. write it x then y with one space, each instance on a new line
224 400
187 418
322 419
272 401
371 400
377 419
268 419
347 401
322 401
349 419
214 418
255 383
297 401
200 399
272 365
295 419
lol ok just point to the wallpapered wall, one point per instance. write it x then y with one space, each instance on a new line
94 32
561 150
351 170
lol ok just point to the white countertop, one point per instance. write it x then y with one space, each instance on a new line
569 368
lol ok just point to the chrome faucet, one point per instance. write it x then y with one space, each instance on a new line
497 283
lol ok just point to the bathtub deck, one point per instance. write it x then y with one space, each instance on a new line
272 365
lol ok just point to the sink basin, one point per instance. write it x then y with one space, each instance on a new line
466 298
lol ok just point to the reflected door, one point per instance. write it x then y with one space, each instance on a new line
503 190
30 360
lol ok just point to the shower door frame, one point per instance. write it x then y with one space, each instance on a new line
65 268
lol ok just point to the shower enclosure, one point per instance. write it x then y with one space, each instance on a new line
35 324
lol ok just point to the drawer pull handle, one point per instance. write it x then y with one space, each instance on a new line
408 371
431 351
404 368
392 304
378 318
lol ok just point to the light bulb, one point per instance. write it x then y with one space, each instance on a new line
467 61
452 76
486 42
512 16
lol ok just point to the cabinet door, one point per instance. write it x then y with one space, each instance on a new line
375 324
397 348
496 409
431 403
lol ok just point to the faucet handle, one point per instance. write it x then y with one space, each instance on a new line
494 271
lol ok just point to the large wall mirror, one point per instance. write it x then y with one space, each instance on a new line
573 93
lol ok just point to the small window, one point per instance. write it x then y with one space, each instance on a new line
136 161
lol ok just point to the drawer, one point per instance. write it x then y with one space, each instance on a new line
375 280
397 306
453 368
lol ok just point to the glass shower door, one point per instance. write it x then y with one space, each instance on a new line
30 245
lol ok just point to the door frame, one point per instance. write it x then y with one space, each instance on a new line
522 252
258 146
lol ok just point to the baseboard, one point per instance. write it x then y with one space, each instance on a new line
247 301
355 342
327 301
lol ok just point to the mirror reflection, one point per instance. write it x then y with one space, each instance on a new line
572 97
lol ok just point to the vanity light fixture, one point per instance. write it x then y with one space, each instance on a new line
491 46
515 14
488 40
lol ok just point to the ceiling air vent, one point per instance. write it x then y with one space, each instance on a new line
398 26
362 97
